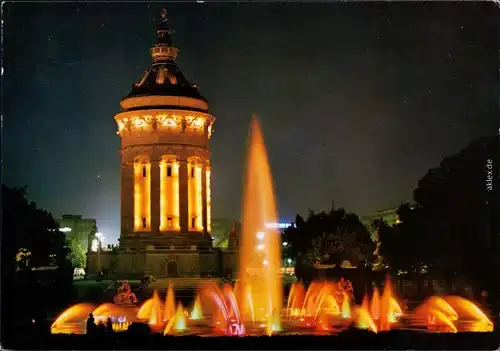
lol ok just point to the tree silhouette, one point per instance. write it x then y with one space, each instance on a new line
30 239
330 237
450 230
25 226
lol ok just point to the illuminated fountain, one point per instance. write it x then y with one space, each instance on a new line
260 293
325 307
177 323
197 312
73 320
254 305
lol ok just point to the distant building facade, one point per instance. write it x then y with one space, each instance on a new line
389 216
166 209
82 229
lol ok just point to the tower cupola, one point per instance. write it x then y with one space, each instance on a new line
163 84
164 50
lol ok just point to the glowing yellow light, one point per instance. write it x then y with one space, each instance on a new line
265 262
197 122
196 313
210 131
195 197
260 235
209 200
163 195
199 199
142 196
169 121
169 199
260 247
175 202
138 122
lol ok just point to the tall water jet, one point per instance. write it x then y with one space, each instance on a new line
385 305
375 305
196 313
169 308
177 322
155 314
260 256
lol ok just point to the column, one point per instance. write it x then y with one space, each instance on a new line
183 196
127 199
155 196
204 198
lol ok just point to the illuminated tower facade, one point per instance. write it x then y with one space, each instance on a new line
165 128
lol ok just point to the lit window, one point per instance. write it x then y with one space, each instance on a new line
144 222
144 172
169 171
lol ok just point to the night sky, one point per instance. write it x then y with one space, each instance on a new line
357 101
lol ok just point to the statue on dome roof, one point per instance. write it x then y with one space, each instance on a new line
164 15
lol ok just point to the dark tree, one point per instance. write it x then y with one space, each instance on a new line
451 229
330 237
405 246
30 232
26 226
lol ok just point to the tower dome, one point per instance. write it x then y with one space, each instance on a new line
163 85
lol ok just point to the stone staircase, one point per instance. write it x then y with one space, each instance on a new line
182 283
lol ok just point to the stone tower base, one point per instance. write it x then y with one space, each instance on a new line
161 264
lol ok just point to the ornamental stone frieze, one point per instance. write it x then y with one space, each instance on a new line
177 121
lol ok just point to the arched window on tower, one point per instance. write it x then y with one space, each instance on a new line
142 193
169 193
195 194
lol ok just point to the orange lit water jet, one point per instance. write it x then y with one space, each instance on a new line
385 306
436 303
320 298
155 312
225 311
295 299
169 308
73 319
346 308
145 310
74 313
177 322
365 304
438 318
259 269
316 310
469 310
364 320
196 313
375 305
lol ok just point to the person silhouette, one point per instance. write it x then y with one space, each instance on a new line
91 327
109 326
